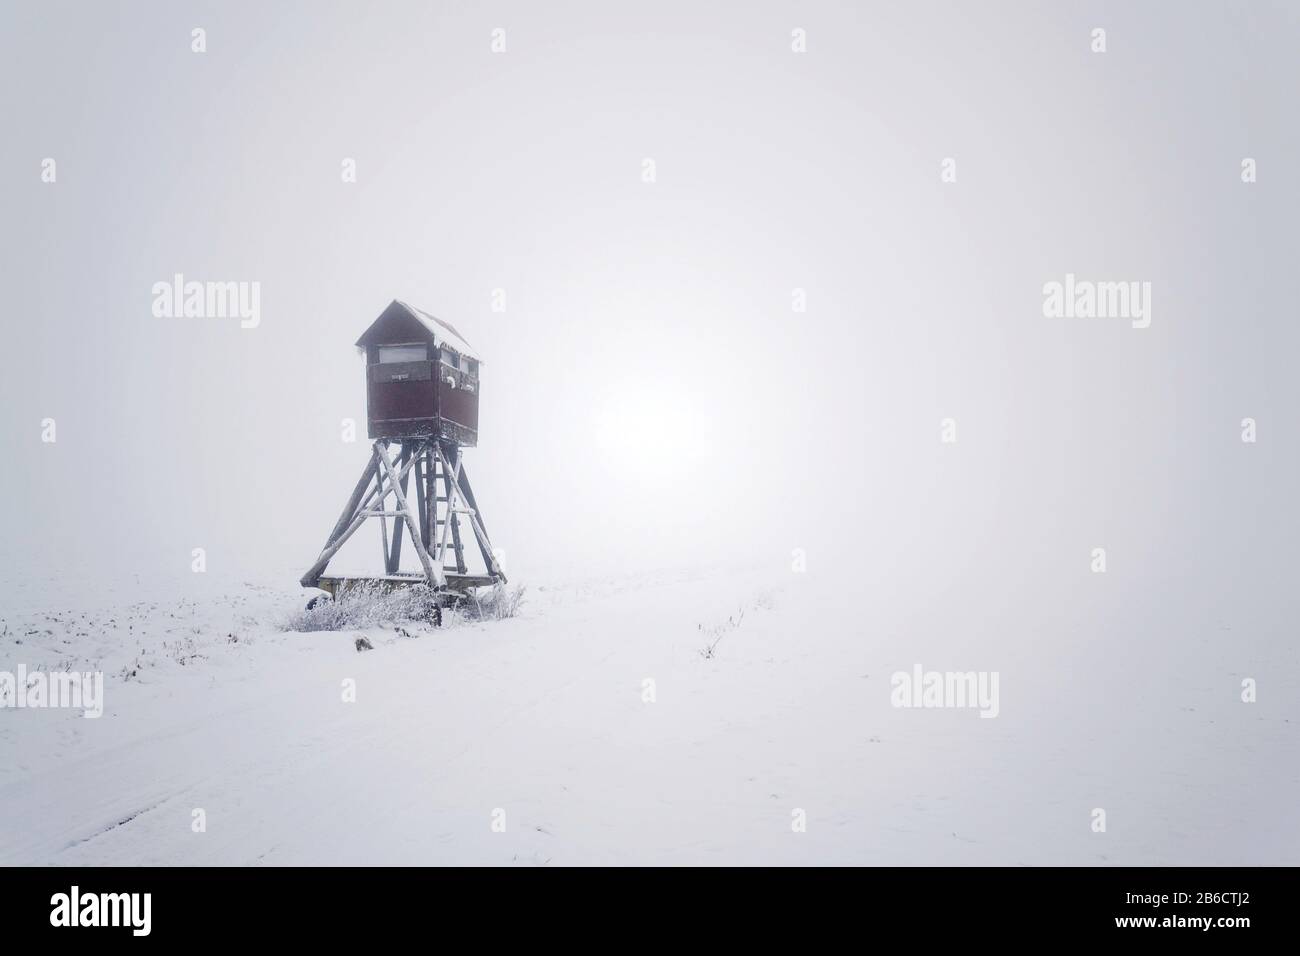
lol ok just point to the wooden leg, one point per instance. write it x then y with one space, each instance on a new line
383 496
395 556
432 574
454 518
430 495
422 498
476 520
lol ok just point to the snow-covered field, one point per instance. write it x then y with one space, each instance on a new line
545 725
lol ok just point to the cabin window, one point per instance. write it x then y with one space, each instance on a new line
402 353
471 366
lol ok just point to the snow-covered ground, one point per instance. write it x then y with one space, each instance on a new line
546 723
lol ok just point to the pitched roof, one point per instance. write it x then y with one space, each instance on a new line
443 334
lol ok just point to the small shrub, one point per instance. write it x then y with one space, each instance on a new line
496 605
367 605
716 632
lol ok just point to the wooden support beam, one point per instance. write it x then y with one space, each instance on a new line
394 557
422 498
433 575
370 498
431 493
486 547
446 522
480 530
455 524
383 496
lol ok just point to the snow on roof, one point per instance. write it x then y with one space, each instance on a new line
444 333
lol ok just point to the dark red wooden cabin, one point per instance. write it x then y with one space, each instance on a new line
422 378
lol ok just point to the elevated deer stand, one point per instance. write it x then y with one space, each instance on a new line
422 395
442 497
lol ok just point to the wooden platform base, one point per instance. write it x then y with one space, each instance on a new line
337 585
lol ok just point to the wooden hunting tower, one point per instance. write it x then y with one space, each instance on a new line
422 391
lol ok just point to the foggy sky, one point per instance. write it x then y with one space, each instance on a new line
649 397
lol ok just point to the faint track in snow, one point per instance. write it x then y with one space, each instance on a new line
113 826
